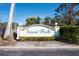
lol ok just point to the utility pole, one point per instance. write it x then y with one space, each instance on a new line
8 30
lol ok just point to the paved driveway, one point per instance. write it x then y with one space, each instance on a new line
33 48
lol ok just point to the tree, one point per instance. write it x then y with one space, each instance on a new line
47 20
38 20
33 20
68 12
58 19
77 13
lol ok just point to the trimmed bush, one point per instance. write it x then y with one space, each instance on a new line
36 38
70 33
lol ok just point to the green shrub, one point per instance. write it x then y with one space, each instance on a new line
70 33
36 38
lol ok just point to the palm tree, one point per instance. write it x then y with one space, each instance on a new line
8 31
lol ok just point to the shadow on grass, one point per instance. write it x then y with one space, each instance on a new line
64 40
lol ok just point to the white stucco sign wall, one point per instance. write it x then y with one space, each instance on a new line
37 31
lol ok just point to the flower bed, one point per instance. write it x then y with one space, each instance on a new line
36 38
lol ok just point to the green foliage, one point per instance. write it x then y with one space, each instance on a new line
33 20
36 38
37 20
47 20
58 19
70 33
68 12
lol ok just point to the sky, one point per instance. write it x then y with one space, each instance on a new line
24 10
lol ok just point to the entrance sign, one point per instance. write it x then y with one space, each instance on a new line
38 30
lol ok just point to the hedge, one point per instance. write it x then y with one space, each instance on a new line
70 33
36 38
